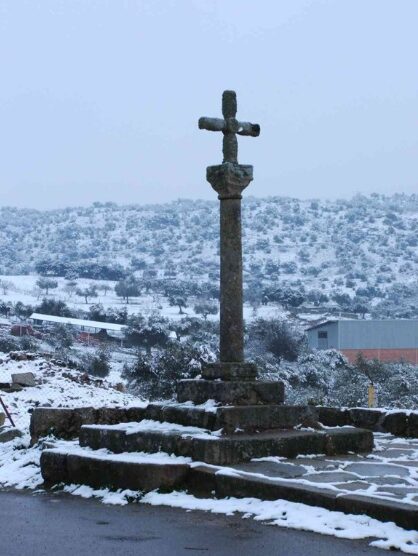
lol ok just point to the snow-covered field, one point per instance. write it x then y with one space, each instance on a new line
23 288
60 387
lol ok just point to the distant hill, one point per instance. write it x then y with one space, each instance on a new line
358 251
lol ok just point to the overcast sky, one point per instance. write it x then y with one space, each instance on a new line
99 99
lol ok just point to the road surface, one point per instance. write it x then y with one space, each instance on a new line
63 525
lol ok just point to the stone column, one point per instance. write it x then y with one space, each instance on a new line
229 180
231 311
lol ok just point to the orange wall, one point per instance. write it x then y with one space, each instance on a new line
410 355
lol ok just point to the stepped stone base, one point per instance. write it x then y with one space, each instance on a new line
232 392
248 420
228 449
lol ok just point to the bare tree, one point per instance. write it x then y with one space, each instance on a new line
5 286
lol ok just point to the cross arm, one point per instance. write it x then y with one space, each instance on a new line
231 125
212 124
246 128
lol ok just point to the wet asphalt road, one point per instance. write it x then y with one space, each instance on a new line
62 525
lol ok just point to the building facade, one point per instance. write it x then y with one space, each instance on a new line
384 340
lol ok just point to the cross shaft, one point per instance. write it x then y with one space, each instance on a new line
229 179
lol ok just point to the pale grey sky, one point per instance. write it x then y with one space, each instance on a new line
99 99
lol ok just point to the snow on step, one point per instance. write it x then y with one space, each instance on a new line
148 425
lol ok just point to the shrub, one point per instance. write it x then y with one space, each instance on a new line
154 376
99 364
8 344
276 337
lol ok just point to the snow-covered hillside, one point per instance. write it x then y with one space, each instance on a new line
366 247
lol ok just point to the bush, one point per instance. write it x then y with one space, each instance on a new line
154 376
8 344
147 334
28 343
52 307
276 337
60 337
98 364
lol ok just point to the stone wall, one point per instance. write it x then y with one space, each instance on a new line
66 423
399 423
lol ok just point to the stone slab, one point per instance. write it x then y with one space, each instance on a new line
62 467
183 415
333 416
230 392
272 469
229 371
258 418
370 469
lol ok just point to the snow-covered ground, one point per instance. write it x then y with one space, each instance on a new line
56 387
60 387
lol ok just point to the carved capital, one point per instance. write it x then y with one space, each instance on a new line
229 179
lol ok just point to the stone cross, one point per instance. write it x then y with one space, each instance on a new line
229 126
229 180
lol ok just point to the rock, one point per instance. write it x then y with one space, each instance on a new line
23 379
12 388
18 356
9 433
2 419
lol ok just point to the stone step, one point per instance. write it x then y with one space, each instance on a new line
230 392
205 446
233 419
207 481
66 422
144 472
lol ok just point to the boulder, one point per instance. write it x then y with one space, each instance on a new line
9 433
18 356
24 379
